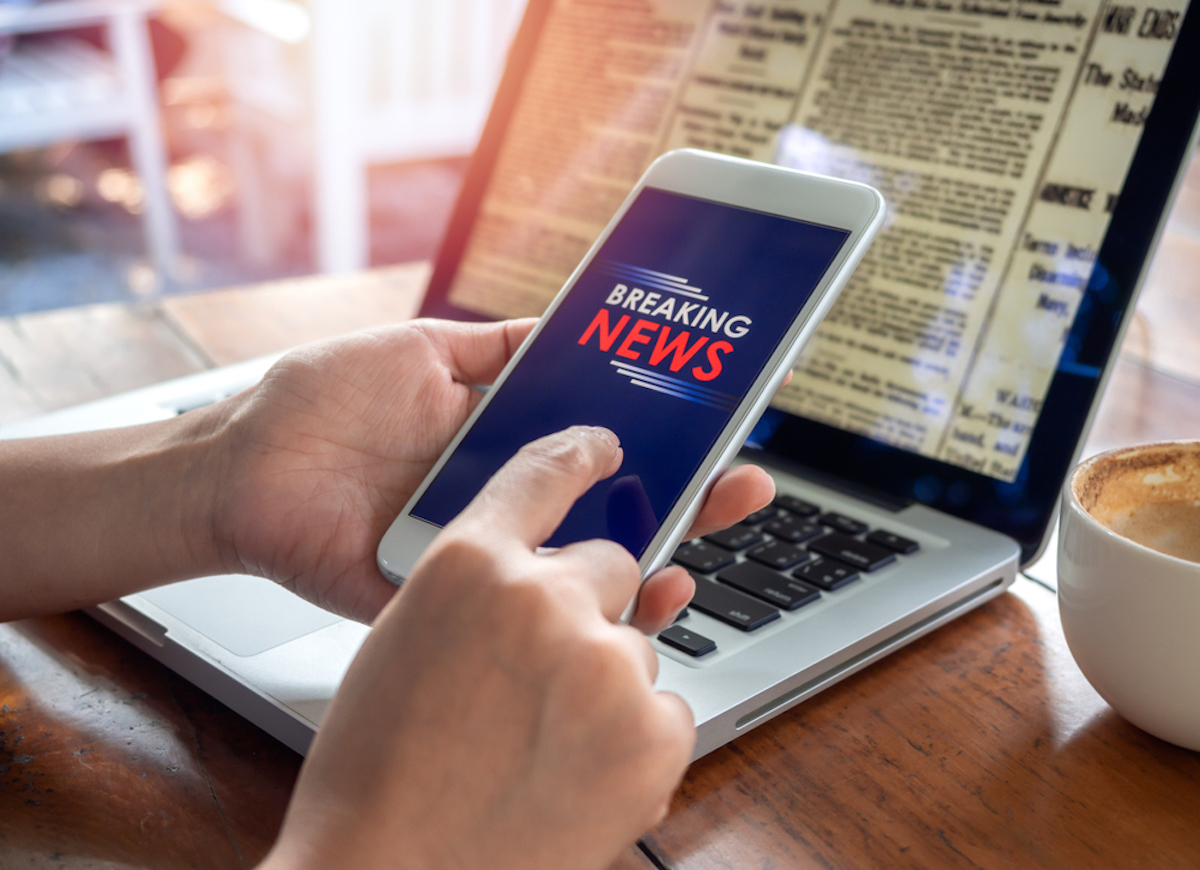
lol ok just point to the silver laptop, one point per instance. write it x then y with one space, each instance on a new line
1029 158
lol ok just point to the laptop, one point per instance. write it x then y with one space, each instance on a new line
1029 157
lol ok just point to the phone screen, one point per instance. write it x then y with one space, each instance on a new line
659 340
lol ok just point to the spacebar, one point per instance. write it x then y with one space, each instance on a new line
733 608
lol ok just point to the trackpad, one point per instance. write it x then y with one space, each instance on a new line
246 615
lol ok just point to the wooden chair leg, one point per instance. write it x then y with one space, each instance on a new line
340 221
131 45
256 238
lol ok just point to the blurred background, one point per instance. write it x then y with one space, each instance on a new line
150 148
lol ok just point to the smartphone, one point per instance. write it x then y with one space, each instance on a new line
675 331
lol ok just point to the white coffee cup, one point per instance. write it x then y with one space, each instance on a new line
1129 583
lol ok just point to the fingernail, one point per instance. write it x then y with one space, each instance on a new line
600 433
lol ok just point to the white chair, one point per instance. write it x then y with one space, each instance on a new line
65 89
385 81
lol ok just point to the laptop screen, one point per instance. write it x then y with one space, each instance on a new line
1025 172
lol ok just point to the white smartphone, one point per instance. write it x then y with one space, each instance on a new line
675 331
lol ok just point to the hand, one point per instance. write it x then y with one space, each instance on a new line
496 715
325 452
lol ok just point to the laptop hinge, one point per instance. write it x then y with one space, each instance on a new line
828 481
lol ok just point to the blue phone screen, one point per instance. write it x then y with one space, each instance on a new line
659 340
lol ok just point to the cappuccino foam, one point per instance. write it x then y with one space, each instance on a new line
1150 495
1171 527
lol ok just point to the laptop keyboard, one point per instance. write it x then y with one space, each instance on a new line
780 558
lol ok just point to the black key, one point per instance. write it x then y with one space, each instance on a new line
683 614
793 529
703 557
737 537
842 523
731 607
687 641
827 574
769 512
860 554
768 585
797 506
893 542
778 555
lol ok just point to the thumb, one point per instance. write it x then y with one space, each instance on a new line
476 352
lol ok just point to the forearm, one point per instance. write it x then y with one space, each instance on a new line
89 517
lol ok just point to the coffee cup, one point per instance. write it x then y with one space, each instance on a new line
1129 583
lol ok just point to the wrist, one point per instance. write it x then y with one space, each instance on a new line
186 474
93 516
154 488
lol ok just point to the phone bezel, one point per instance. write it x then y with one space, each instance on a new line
846 205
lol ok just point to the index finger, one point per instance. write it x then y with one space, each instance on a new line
531 493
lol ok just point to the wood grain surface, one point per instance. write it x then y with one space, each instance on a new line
243 322
54 359
107 759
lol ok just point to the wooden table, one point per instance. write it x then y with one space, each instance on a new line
980 745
